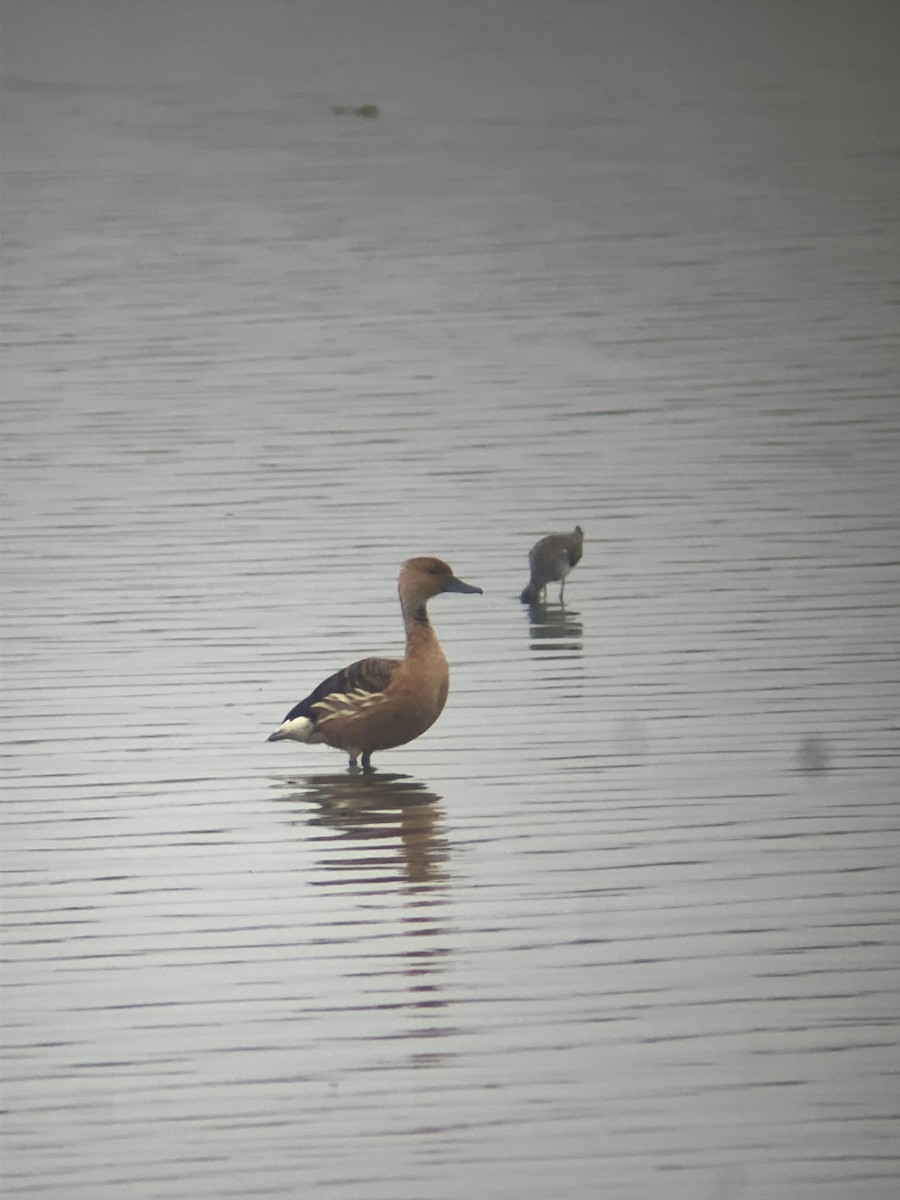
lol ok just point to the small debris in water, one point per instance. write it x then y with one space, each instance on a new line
364 110
812 756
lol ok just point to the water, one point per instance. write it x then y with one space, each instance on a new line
624 922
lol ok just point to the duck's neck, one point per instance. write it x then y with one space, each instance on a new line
419 632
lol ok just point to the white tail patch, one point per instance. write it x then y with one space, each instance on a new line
301 729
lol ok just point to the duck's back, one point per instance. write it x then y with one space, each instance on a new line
370 676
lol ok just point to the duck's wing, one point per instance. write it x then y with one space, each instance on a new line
363 679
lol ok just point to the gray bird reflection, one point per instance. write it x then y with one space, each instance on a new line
377 807
555 629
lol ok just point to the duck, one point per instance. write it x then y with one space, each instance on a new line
379 703
551 559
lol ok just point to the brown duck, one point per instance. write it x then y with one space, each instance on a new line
551 559
378 703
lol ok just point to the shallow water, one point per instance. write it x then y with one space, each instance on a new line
624 921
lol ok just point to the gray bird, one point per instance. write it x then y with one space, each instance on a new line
551 559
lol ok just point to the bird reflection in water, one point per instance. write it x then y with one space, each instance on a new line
555 629
379 807
385 836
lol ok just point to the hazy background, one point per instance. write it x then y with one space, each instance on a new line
623 924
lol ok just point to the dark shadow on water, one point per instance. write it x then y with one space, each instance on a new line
812 756
376 806
554 628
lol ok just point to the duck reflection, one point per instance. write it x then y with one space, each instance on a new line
378 807
555 629
381 832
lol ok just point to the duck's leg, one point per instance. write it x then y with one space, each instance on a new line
352 762
366 763
562 588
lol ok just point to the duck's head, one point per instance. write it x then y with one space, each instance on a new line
422 578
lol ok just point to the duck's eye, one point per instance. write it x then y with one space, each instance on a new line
432 570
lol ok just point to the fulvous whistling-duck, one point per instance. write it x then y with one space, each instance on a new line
552 558
378 703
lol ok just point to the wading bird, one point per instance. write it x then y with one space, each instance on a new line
379 703
551 559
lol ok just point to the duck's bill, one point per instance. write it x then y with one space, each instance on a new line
458 585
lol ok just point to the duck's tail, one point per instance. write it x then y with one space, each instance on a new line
298 730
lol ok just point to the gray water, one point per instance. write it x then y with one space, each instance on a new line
623 923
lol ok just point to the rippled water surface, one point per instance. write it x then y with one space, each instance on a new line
623 923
